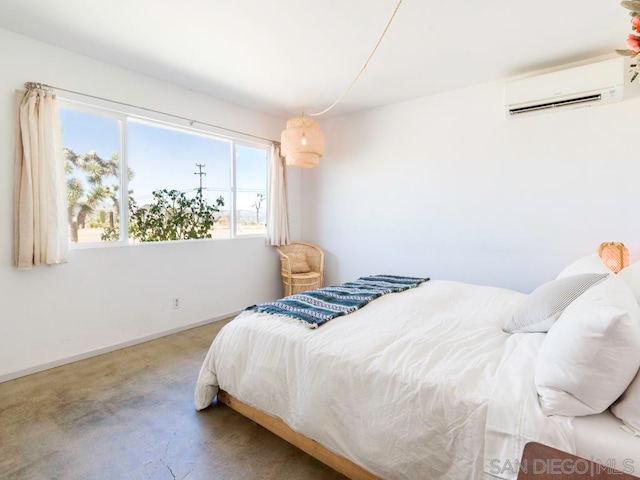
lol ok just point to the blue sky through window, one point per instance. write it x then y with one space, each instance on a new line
166 158
83 132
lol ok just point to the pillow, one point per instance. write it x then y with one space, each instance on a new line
545 304
298 262
627 408
589 264
631 276
591 353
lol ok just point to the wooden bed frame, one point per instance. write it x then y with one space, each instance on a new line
533 452
307 445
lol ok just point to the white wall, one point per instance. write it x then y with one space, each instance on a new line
445 186
115 295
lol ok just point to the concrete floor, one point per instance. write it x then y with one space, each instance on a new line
129 414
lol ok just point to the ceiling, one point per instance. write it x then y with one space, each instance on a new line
283 56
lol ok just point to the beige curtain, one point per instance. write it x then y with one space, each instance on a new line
41 236
278 213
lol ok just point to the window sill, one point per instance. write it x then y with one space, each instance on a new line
87 246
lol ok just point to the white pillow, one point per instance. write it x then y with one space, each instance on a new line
589 264
631 276
627 408
591 353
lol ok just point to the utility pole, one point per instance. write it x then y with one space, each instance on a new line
201 173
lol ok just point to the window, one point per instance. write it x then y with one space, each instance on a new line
92 152
251 194
182 183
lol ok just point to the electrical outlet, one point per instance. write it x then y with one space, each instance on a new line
176 302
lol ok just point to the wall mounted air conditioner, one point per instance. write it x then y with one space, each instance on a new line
584 86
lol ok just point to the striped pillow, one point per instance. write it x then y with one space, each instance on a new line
547 302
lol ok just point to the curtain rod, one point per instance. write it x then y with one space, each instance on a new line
43 86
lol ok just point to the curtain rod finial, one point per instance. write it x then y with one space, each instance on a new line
38 86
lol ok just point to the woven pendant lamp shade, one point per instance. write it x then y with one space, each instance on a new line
614 255
302 142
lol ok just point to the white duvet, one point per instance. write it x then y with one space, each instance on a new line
422 384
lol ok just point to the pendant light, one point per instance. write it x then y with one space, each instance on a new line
303 141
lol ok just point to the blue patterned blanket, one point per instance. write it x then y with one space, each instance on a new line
316 307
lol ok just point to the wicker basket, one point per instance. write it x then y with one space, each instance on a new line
614 255
300 282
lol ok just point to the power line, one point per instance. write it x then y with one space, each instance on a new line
201 173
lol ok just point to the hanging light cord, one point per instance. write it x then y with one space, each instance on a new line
317 114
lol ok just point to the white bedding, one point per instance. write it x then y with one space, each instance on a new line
408 387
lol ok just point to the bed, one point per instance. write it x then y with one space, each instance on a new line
600 438
418 384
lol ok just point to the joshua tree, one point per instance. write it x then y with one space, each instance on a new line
94 169
258 205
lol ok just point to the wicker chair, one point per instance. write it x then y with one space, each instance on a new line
290 256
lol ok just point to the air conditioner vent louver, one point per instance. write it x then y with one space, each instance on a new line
559 103
593 84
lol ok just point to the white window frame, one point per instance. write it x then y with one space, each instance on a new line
234 187
124 117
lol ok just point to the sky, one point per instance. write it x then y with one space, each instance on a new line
163 157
